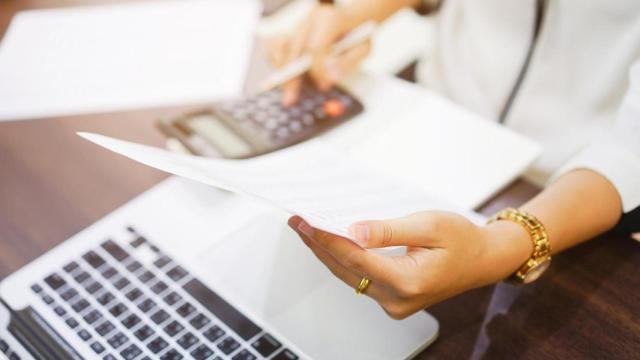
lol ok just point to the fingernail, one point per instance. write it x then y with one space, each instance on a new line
361 234
305 228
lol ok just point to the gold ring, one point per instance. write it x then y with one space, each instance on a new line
364 284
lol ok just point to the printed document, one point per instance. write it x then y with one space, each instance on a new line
328 189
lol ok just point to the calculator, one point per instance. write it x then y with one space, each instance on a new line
258 124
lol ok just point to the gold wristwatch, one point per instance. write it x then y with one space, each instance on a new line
540 258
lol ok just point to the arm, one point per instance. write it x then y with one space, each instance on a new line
447 254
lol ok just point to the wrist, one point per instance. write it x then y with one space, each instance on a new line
507 246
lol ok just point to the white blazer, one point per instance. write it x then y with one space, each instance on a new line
580 95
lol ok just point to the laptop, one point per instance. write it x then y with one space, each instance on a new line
187 271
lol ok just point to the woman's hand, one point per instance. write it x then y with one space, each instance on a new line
321 28
446 255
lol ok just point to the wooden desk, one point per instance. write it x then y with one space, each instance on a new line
53 184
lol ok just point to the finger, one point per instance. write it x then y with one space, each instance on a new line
358 260
344 274
277 49
319 74
421 229
291 91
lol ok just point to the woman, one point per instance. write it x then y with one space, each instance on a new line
554 71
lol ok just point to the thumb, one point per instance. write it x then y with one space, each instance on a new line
420 230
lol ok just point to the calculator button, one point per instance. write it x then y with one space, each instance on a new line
333 108
295 126
307 119
282 133
271 124
320 114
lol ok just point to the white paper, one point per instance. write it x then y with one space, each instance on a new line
326 188
124 56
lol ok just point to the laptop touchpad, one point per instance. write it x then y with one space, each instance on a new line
262 265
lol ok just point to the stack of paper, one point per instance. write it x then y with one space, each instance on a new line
124 56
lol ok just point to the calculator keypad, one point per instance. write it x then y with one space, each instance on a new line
264 116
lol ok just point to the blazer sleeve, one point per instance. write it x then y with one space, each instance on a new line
616 153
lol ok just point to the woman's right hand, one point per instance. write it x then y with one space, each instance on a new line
315 35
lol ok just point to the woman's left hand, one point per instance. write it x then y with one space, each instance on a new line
446 255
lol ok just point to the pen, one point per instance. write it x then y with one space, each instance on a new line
303 64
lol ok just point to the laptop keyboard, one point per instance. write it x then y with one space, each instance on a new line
123 309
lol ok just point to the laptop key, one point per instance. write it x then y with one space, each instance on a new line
80 305
93 259
137 242
213 333
202 352
156 345
244 354
159 287
121 283
92 316
115 250
118 309
285 354
93 287
70 267
36 288
159 316
3 346
133 266
47 299
105 328
146 305
109 272
109 357
162 261
173 328
187 340
55 281
144 332
84 334
97 347
236 320
199 321
131 352
146 276
118 340
81 277
171 355
60 310
130 321
266 345
105 298
72 323
228 345
177 273
186 309
133 294
69 294
172 298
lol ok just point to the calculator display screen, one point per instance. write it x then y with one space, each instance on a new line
209 127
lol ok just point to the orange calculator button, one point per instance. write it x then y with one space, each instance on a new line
333 108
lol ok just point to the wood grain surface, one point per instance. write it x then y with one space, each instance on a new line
53 184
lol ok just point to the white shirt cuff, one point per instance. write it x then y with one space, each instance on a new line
617 163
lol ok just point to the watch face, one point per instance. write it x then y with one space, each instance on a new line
534 273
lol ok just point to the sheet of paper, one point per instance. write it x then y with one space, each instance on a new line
124 56
326 188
